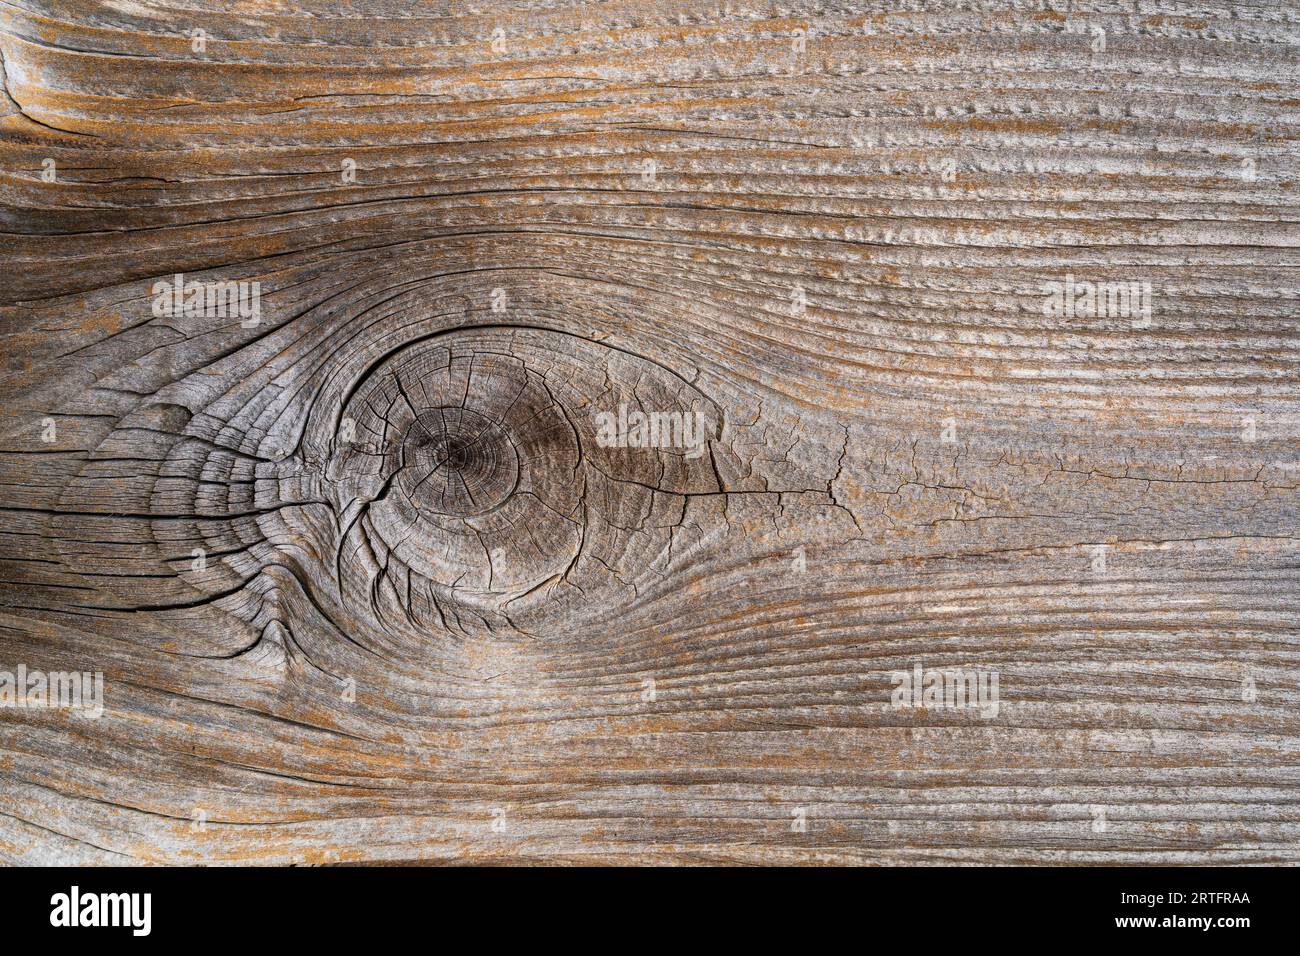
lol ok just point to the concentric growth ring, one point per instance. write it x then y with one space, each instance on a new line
471 483
458 462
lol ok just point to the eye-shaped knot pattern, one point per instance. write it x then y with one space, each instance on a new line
473 482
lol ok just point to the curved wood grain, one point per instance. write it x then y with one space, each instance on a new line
436 618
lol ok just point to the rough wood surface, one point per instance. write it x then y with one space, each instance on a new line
435 619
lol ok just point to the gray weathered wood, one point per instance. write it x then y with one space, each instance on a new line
439 621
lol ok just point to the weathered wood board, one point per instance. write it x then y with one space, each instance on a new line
369 574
